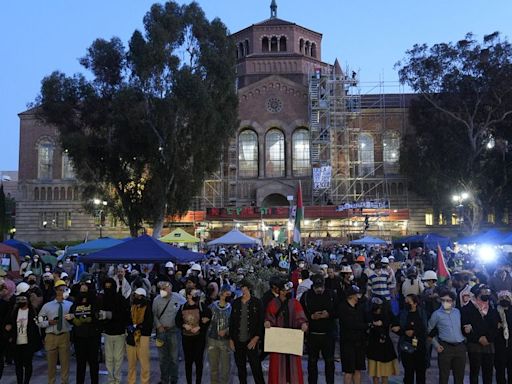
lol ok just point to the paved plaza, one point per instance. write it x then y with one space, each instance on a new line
40 377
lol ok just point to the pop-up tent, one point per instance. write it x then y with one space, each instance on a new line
179 236
22 247
91 246
368 240
492 236
235 237
143 250
428 240
9 258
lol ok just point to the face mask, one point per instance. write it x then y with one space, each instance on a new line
31 282
65 295
504 303
408 306
372 266
484 297
196 299
59 265
351 277
447 306
228 299
47 269
163 293
170 272
138 300
215 262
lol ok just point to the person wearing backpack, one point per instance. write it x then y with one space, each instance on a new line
320 308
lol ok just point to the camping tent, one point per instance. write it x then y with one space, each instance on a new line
429 240
144 249
235 237
179 236
368 240
11 258
91 246
22 247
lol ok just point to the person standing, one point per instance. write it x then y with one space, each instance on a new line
450 342
23 334
352 336
137 340
86 335
285 312
114 317
480 322
503 344
52 317
412 344
218 337
245 331
382 359
193 318
165 308
320 308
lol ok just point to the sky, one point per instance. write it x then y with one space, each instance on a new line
368 36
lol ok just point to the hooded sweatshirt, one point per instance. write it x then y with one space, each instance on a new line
220 320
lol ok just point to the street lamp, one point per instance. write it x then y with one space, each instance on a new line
459 199
100 204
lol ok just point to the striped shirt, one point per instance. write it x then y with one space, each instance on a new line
380 283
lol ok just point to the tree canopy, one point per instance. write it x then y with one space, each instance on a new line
150 120
462 123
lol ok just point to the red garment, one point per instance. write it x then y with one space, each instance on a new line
277 371
295 279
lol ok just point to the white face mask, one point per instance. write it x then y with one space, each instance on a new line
447 306
163 293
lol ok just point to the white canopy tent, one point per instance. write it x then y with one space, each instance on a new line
235 237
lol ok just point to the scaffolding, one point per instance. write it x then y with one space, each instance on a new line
351 124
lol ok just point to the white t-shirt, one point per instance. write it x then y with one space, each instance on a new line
21 325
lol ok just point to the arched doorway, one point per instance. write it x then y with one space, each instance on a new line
275 200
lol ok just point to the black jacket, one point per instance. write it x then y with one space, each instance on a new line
120 309
481 325
353 321
266 299
147 324
34 337
255 320
311 303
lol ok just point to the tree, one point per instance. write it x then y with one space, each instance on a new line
154 119
462 121
3 214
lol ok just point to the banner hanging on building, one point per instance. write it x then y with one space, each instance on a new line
370 204
322 177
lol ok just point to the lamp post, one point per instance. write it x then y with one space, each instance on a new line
459 199
100 206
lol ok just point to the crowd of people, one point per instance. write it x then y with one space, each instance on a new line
377 306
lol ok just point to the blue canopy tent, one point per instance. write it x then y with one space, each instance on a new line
91 246
144 250
23 248
368 240
507 239
429 240
492 236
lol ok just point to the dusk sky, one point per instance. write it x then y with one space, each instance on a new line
367 36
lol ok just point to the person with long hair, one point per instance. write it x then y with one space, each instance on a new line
23 334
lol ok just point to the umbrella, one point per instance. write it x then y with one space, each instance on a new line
22 247
92 246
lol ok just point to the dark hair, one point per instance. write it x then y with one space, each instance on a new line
415 298
304 274
188 291
446 292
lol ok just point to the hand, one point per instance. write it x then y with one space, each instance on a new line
409 333
440 349
187 327
52 322
253 342
8 327
231 345
196 329
222 333
395 329
304 327
69 316
377 323
266 324
205 320
468 328
161 329
324 314
483 341
315 316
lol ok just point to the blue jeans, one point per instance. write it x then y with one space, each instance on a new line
168 356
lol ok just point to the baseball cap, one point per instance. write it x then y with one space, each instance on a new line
318 280
140 292
59 283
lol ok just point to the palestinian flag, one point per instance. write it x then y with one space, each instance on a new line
299 214
442 271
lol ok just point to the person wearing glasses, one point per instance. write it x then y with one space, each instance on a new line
53 317
449 341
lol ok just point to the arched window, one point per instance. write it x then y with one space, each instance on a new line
246 47
274 154
273 44
43 193
265 44
301 45
75 193
56 193
391 149
70 194
49 193
67 167
36 193
300 152
366 156
282 44
307 49
241 50
45 150
313 50
248 154
62 193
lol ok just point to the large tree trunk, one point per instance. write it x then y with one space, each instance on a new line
158 224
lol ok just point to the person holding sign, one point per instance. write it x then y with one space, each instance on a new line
285 312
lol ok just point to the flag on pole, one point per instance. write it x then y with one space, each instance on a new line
442 271
299 214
